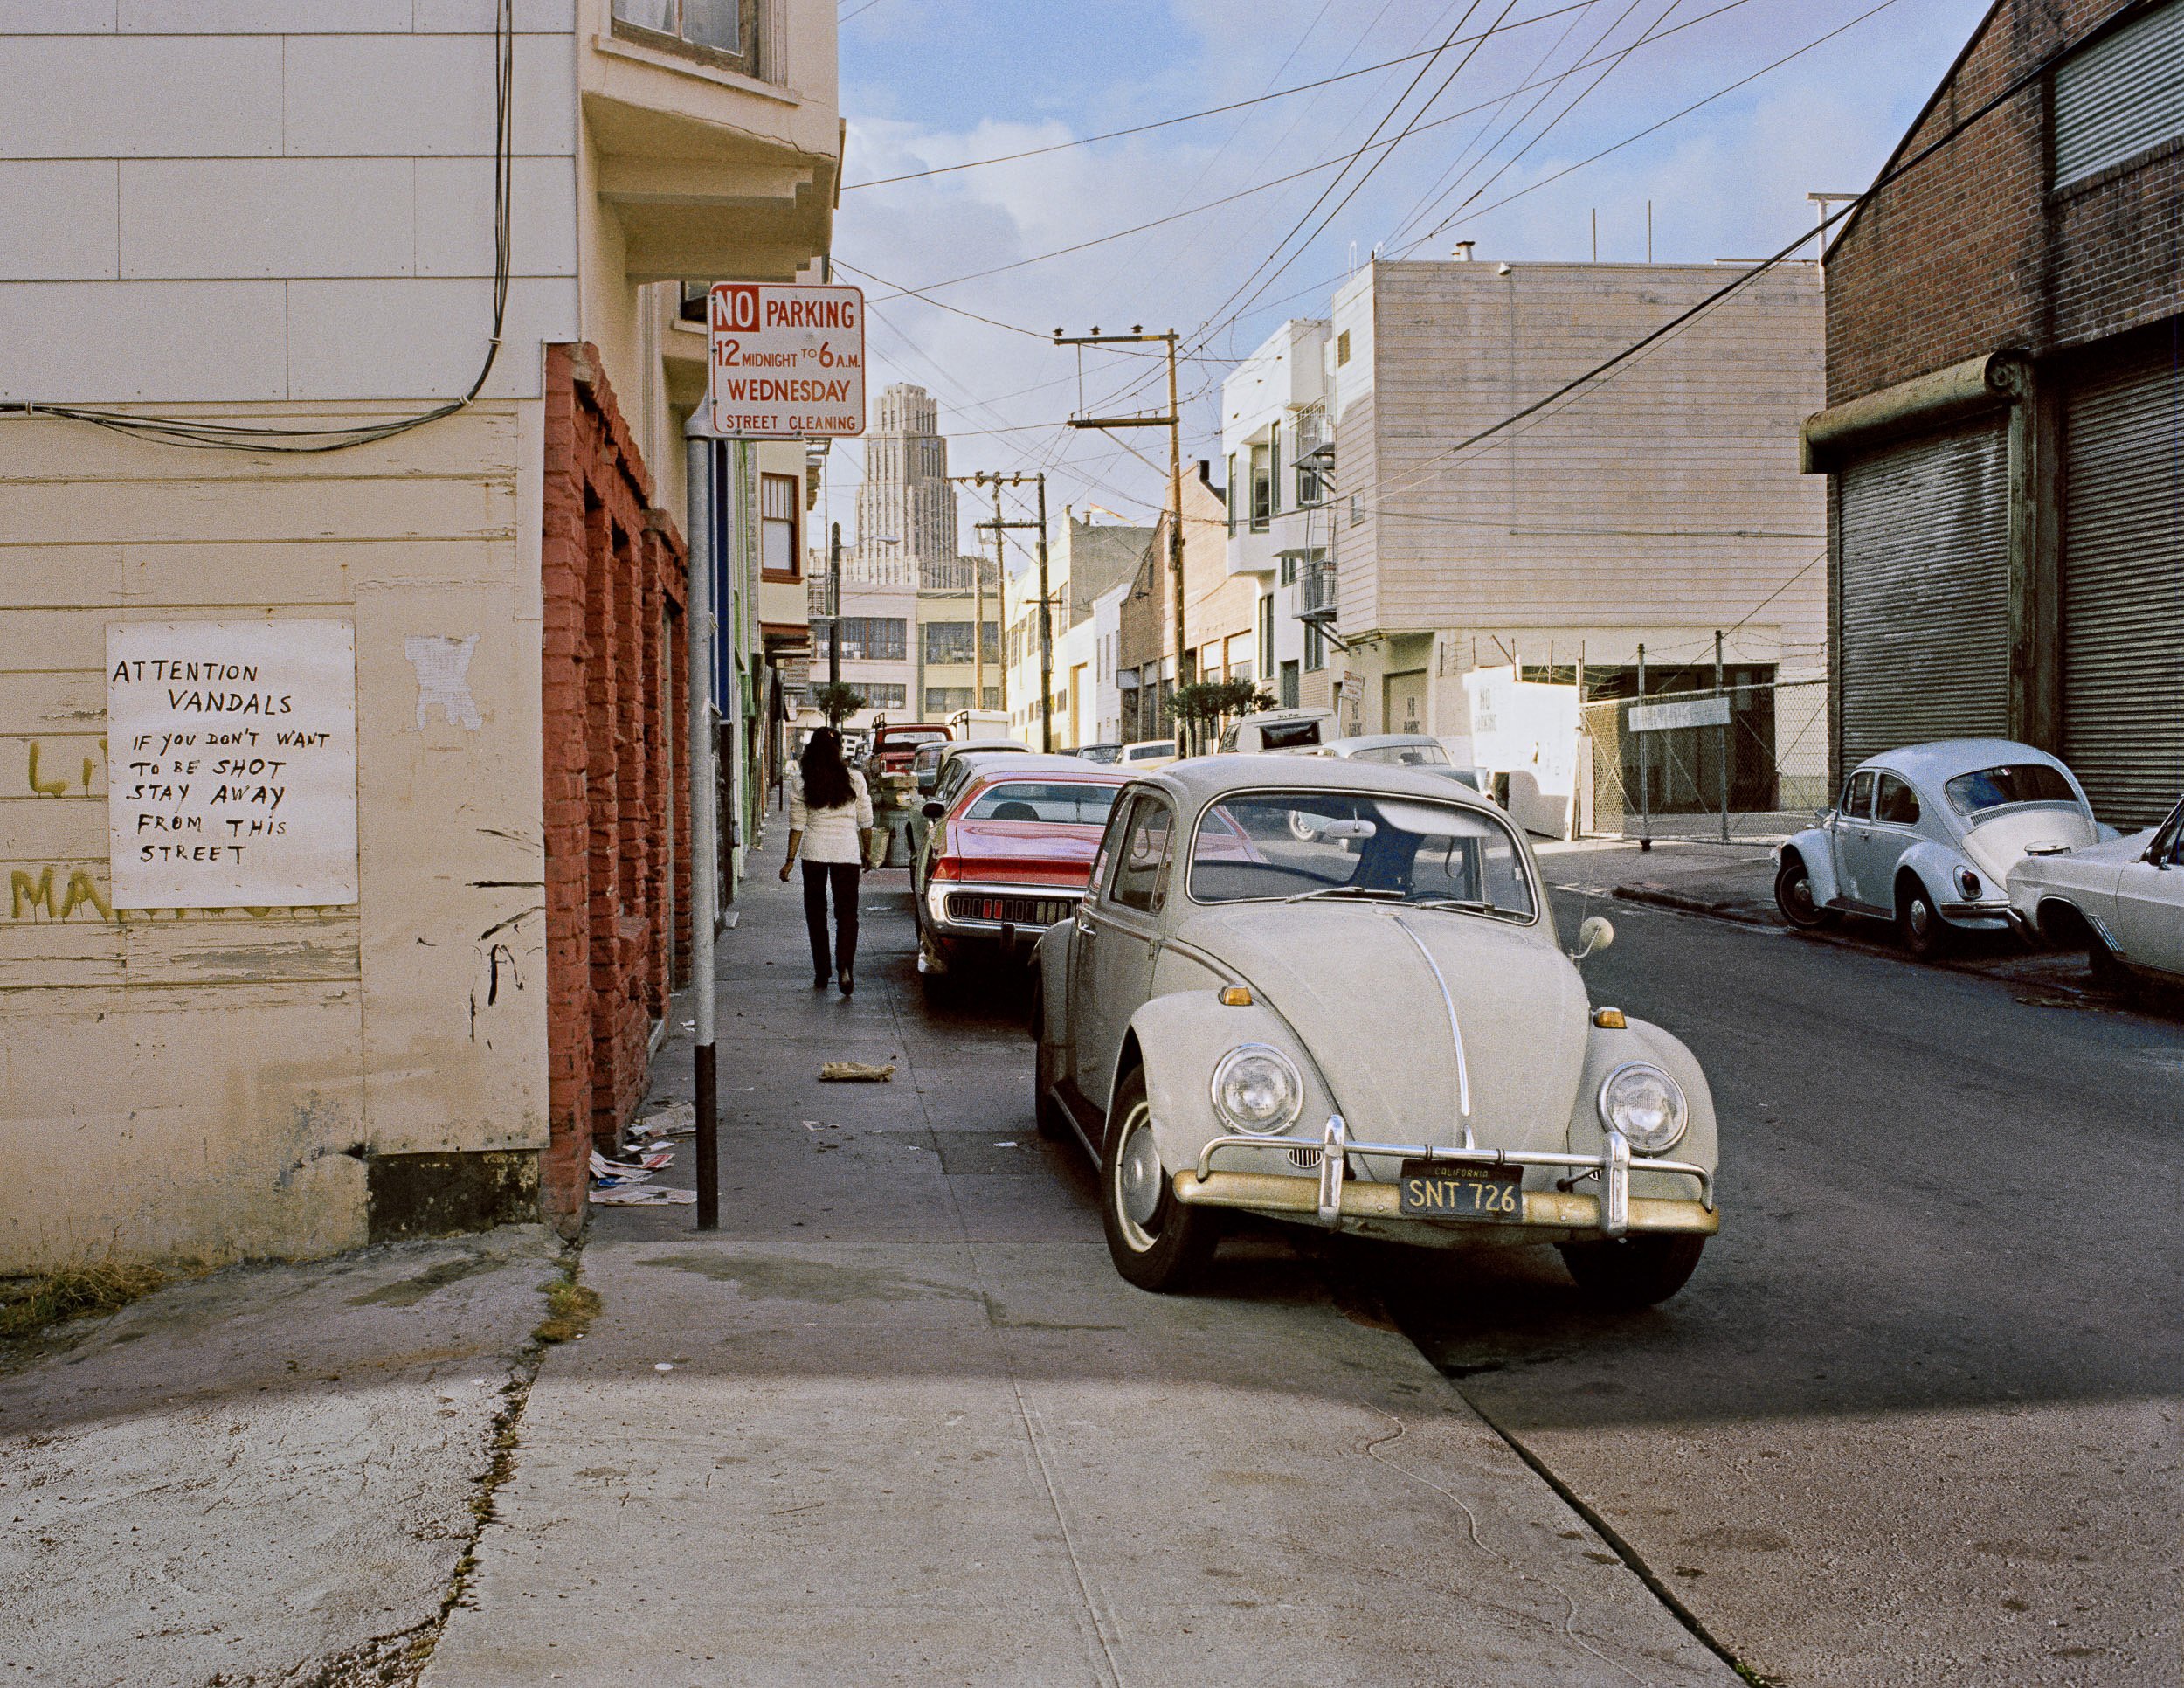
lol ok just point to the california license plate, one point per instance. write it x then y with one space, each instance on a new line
1443 1189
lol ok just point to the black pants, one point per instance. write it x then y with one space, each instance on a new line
843 875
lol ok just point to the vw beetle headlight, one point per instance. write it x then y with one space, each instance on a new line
1257 1089
1646 1106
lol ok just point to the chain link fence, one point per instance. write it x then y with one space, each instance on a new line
1747 763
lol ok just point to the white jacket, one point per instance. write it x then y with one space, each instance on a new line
835 834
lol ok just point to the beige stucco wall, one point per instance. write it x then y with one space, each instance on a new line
200 1083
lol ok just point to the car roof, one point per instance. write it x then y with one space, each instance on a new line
1046 767
1200 779
1945 758
985 746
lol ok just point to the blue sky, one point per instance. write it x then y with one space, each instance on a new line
927 83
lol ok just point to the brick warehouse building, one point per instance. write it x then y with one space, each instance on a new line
310 219
2005 429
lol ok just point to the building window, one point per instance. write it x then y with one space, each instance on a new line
949 641
1357 509
1232 495
778 551
1291 688
1266 634
1342 348
942 701
720 31
1315 647
866 638
1273 471
1289 569
1261 488
881 693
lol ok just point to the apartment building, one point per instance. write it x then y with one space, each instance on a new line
1220 612
1281 524
355 334
2004 332
1652 510
1086 562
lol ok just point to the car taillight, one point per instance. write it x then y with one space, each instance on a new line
947 866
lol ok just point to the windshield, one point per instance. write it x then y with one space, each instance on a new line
1288 734
1338 845
1072 802
1146 752
1407 755
910 737
1104 753
2019 782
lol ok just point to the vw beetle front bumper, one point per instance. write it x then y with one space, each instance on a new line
1335 1198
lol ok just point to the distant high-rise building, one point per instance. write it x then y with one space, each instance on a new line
906 508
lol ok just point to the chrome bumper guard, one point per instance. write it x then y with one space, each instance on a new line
1613 1213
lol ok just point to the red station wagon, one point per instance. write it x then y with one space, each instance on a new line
1008 855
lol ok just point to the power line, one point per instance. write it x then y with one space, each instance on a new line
1188 116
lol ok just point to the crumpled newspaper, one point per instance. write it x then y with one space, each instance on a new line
856 1072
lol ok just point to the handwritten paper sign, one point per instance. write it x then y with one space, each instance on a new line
231 756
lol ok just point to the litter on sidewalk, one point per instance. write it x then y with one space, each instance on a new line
856 1072
641 1195
674 1119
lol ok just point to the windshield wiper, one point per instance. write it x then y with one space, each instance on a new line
1467 906
1345 890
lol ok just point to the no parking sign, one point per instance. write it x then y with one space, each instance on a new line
785 363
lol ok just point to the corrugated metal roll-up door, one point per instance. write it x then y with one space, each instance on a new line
2123 590
1922 529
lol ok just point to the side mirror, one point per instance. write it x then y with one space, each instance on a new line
1596 933
933 811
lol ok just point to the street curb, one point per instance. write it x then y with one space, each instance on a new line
1697 905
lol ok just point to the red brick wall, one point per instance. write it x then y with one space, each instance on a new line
1969 253
613 573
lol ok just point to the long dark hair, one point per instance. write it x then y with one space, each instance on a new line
826 775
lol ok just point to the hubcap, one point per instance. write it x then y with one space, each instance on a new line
1920 916
1137 1181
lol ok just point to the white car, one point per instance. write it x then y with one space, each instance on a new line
1419 750
1926 836
1144 755
1329 992
2121 902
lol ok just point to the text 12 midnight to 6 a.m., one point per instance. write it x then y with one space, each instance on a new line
785 363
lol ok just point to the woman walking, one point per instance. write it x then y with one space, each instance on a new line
830 815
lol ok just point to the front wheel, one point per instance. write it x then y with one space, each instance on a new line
1156 1242
1627 1273
1925 934
1793 895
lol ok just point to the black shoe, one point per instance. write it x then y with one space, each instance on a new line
848 984
818 979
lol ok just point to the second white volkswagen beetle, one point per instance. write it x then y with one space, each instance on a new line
1926 835
1329 992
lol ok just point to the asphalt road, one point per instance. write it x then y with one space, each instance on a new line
1917 1416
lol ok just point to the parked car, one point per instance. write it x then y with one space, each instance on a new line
1280 729
1106 755
2120 901
1401 751
952 764
1331 991
1926 836
1144 755
1006 854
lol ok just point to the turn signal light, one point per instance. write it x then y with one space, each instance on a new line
947 866
1236 996
1609 1020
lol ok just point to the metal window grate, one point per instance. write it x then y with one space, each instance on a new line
2120 96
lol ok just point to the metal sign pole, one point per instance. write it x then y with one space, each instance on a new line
705 853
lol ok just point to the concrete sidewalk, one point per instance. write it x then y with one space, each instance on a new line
267 1476
900 1420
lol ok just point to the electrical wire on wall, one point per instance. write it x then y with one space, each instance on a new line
203 435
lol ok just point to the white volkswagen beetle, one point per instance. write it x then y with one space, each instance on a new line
1331 991
1926 836
2122 901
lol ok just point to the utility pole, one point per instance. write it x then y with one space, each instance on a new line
1173 422
834 605
1045 606
705 848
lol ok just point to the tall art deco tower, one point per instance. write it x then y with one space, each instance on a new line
906 509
